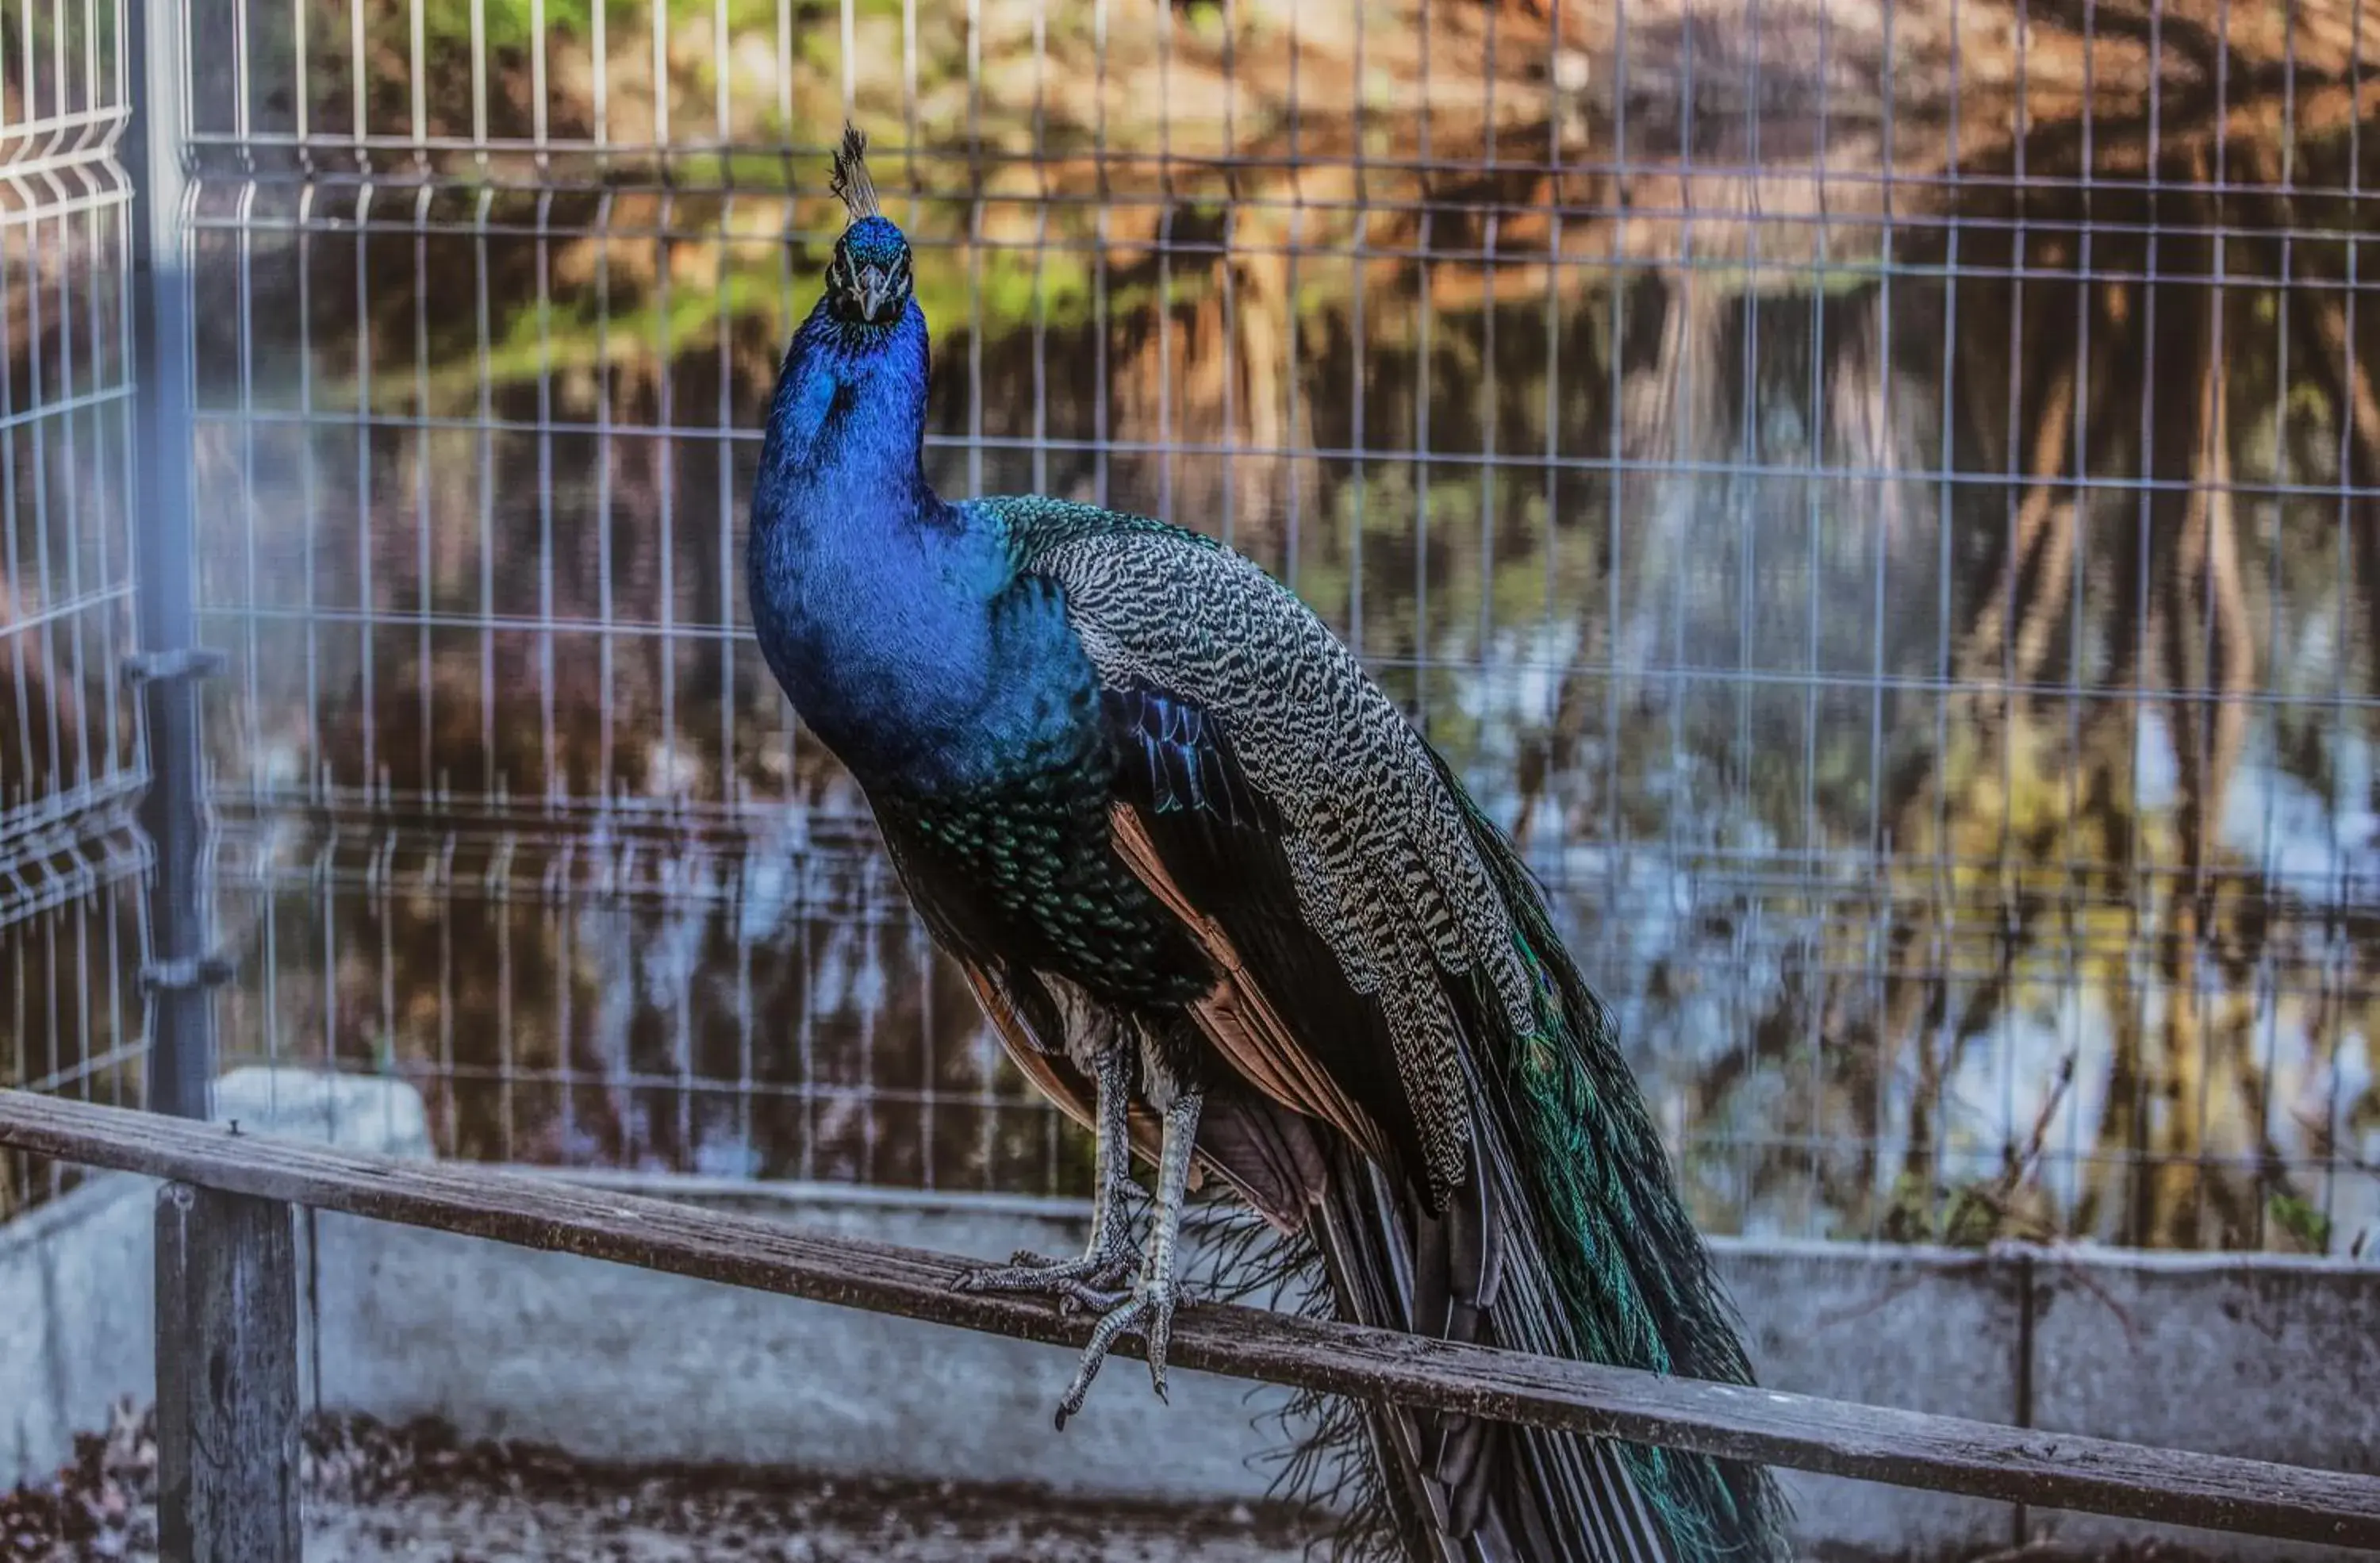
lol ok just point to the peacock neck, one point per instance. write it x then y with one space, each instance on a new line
847 426
871 595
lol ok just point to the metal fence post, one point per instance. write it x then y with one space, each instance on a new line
183 966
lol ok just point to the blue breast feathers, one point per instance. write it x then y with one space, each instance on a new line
894 621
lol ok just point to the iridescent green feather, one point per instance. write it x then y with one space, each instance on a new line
1630 1264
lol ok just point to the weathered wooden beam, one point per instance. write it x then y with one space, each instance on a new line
1871 1443
227 1377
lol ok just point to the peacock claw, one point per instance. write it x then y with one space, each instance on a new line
1148 1310
1089 1282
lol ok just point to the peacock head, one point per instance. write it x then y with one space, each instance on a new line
868 280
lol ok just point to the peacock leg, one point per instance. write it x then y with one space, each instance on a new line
1148 1307
1089 1282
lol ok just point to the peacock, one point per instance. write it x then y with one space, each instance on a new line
1230 911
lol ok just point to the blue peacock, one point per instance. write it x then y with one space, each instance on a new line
1230 910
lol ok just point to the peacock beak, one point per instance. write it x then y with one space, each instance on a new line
875 290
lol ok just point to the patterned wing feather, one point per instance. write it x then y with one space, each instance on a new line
1238 1017
1358 802
1397 932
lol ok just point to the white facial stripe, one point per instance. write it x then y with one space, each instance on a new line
843 273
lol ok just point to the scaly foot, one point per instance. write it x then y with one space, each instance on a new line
1148 1311
1094 1281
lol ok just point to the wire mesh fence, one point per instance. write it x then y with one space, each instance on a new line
70 771
1884 501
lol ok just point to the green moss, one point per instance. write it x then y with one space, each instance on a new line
511 24
2301 1221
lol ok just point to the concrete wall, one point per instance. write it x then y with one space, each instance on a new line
77 1277
2269 1358
77 1305
619 1363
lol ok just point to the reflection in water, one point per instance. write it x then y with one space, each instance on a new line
1915 602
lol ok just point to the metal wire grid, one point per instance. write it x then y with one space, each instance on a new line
1897 545
70 771
714 92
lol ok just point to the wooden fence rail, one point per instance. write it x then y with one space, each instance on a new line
227 1344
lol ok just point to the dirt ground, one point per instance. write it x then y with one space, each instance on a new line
814 1524
375 1494
379 1495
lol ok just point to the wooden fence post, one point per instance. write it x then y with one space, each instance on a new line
226 1378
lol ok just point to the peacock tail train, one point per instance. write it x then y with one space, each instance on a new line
1630 1272
1625 1279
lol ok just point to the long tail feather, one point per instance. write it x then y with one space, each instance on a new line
1456 1489
1599 1260
1608 1266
